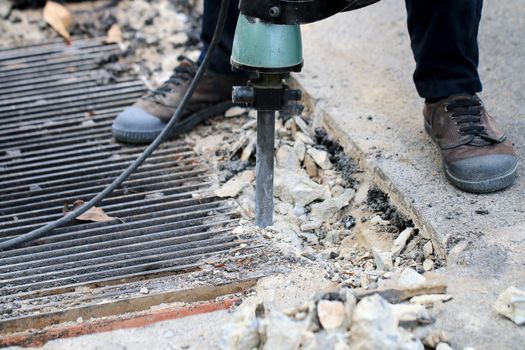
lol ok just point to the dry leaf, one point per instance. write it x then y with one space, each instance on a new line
94 214
114 35
59 18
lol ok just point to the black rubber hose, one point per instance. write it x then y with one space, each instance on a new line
35 234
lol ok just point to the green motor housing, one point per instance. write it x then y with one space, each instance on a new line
265 47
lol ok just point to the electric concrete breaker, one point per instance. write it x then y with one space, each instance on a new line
268 44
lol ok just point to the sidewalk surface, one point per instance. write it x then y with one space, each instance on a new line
358 68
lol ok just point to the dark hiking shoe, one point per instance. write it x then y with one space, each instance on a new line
144 120
477 157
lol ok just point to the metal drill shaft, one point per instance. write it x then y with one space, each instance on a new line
264 168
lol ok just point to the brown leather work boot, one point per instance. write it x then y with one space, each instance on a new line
144 120
477 156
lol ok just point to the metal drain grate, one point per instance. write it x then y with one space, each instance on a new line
56 147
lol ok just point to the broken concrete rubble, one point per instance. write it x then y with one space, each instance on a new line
511 304
287 158
409 278
401 241
375 326
321 158
235 185
327 209
297 188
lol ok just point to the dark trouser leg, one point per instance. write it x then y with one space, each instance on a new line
220 62
444 34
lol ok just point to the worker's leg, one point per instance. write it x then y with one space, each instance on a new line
221 58
477 156
142 122
444 42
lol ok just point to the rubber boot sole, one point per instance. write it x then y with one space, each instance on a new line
184 126
489 185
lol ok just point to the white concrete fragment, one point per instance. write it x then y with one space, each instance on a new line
401 241
430 299
144 290
311 225
243 332
282 333
305 138
443 346
428 249
301 124
331 314
235 112
374 326
297 188
300 149
376 220
409 278
287 158
511 304
327 209
383 260
434 337
411 313
428 265
236 184
321 158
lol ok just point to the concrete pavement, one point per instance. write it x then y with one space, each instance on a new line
358 69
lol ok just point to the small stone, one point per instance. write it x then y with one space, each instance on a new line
327 209
235 112
5 8
511 304
331 314
428 265
411 313
144 290
321 158
80 320
301 124
300 149
235 185
298 210
309 237
365 280
428 249
409 278
377 220
434 338
401 241
374 326
309 164
296 188
383 260
287 158
305 138
443 346
333 237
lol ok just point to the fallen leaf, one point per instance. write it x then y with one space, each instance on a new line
94 214
114 35
59 18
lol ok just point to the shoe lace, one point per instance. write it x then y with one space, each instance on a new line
467 114
181 74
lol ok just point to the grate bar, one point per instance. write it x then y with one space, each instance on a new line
56 147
